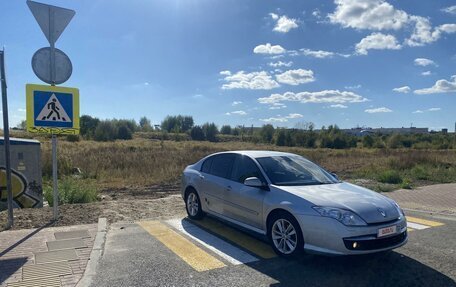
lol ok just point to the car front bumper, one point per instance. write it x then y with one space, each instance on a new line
326 235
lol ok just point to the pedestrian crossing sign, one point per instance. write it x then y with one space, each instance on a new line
52 110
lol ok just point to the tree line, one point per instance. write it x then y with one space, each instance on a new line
182 127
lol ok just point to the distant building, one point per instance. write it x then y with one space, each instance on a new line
385 131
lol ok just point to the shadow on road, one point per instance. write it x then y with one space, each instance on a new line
10 266
382 269
390 269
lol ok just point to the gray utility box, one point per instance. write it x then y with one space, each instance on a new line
26 177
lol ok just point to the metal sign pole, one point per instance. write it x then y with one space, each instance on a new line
54 137
54 177
6 141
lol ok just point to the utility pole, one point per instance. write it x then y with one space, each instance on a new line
6 140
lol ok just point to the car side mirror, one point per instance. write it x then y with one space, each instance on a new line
335 175
254 182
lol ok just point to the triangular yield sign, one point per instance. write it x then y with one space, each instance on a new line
42 13
53 111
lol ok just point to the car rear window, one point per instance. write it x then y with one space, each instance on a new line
222 165
206 168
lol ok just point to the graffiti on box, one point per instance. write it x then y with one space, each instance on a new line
22 190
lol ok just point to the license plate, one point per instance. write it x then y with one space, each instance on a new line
386 231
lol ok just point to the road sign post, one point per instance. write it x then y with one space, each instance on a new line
6 140
52 117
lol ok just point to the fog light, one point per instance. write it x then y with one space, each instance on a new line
355 244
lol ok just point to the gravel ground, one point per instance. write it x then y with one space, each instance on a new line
118 205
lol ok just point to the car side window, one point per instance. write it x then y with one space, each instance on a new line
206 168
222 165
245 167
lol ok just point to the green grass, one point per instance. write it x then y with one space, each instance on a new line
390 176
145 162
71 190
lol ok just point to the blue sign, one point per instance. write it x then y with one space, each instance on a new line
52 109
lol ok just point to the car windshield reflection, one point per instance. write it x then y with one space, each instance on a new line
294 171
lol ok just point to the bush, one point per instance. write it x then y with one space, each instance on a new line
105 131
72 190
420 172
390 176
197 134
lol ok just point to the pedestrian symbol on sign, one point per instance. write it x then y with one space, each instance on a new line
53 111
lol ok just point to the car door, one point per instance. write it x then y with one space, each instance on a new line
244 203
214 180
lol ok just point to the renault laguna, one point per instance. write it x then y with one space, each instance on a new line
294 202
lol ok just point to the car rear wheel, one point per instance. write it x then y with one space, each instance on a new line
285 235
193 205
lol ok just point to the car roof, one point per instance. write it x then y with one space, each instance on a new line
258 153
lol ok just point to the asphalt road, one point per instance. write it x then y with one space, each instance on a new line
168 254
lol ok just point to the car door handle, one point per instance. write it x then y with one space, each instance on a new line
228 188
201 176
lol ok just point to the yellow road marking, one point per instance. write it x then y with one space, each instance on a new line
409 229
194 256
247 242
424 221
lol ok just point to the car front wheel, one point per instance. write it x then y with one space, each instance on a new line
285 235
193 205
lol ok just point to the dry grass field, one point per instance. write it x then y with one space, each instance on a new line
142 162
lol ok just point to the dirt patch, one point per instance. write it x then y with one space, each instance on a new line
115 205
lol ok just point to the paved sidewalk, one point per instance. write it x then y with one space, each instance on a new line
19 247
440 198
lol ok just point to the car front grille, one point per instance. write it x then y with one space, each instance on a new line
374 244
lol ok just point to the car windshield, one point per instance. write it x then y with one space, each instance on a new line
294 170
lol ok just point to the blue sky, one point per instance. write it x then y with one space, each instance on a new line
346 62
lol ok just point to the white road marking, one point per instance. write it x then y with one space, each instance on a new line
222 248
416 226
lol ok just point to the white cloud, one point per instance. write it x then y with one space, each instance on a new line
225 73
378 15
338 106
450 9
296 77
326 96
240 113
235 103
277 106
423 32
317 53
377 41
275 120
282 119
368 14
269 49
418 112
378 110
197 96
280 64
274 16
355 87
434 109
252 81
427 73
404 89
424 62
316 13
294 116
441 86
283 23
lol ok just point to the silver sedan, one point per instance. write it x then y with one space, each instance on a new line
293 201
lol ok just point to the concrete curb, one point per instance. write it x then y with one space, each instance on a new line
95 255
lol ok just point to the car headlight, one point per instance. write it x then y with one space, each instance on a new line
346 217
399 209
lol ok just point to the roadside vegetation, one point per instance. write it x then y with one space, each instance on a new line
113 154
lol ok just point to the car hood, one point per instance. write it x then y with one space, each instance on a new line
364 202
